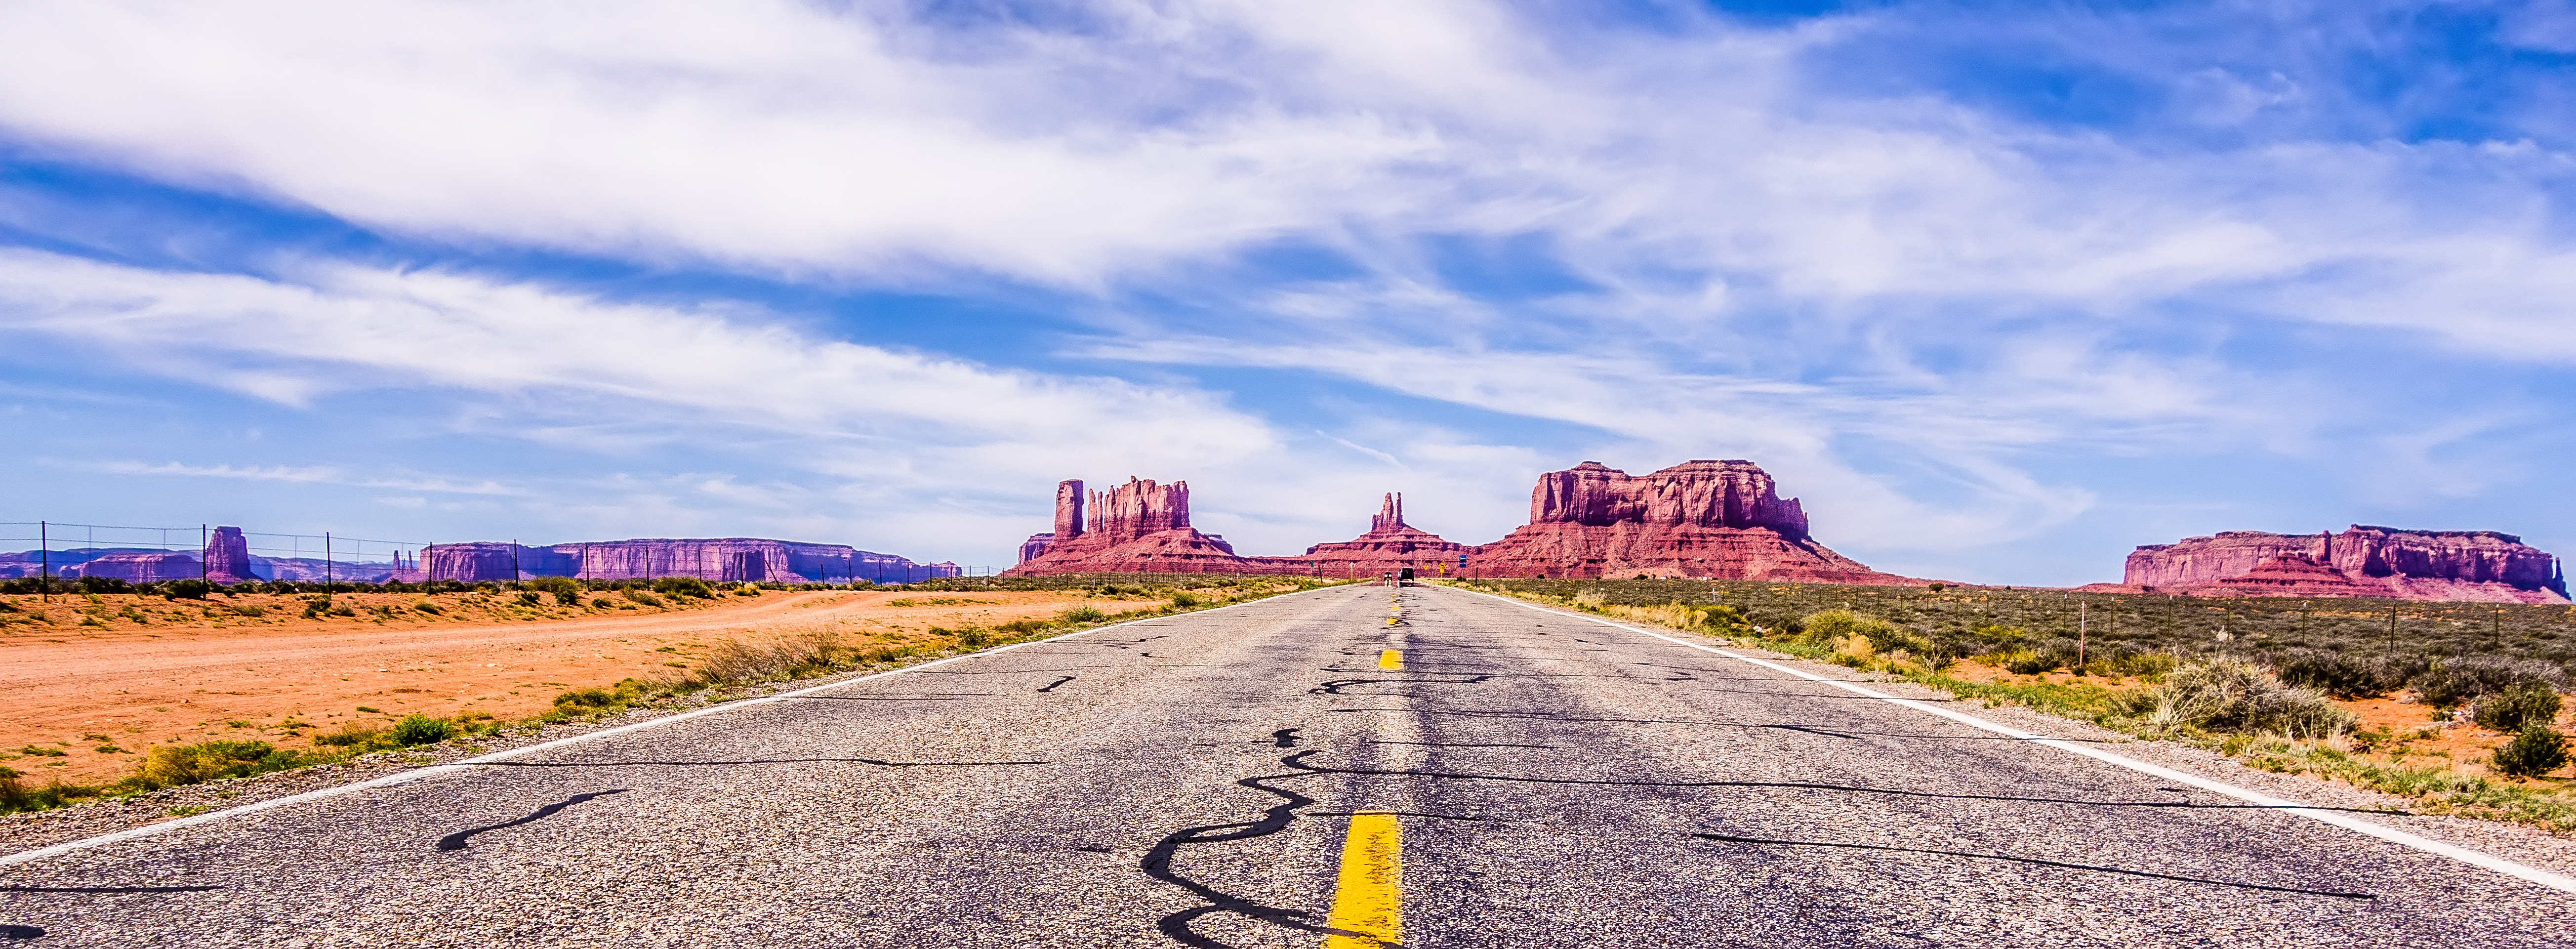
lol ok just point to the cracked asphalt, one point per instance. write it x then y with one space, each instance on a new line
1189 780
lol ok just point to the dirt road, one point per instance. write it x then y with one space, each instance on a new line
124 672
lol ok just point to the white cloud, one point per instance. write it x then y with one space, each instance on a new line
1827 257
346 328
306 474
925 453
868 140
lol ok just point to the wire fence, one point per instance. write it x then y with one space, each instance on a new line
226 554
204 551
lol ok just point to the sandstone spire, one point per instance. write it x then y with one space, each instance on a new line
1068 510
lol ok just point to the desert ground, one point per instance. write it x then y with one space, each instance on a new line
2390 731
94 680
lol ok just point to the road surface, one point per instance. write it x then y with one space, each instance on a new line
1519 778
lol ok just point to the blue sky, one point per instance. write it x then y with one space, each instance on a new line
2000 290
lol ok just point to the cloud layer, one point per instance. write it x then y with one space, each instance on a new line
1955 276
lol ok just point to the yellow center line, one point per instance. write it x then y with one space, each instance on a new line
1390 659
1368 898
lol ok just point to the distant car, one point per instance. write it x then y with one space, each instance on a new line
1404 574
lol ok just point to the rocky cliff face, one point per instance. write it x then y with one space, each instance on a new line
2371 561
1718 519
1138 508
228 556
138 567
1736 494
1715 519
714 559
1137 527
1068 510
1390 545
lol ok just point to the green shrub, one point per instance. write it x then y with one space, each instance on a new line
2029 662
177 765
2536 750
428 607
2518 705
422 730
2451 683
640 596
317 607
103 585
1722 616
2226 694
1080 615
1182 600
733 660
684 586
2347 676
16 795
185 589
1830 626
585 699
565 589
351 734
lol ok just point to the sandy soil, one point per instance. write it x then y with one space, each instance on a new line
100 679
2414 736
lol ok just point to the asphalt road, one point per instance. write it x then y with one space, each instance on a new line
1191 780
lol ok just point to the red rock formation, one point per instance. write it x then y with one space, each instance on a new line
1068 509
1137 527
1715 519
138 567
1718 519
228 556
2370 561
482 560
716 559
1035 545
1390 545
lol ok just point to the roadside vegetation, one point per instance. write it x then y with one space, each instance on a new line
2460 710
723 670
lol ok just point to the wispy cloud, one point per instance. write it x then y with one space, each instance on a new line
1883 253
312 474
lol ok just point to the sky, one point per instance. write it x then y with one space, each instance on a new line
1999 290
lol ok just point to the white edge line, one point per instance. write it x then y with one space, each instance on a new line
421 774
2555 881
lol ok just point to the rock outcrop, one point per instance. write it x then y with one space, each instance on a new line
2363 561
1712 519
61 563
138 567
228 556
713 559
1137 527
1390 545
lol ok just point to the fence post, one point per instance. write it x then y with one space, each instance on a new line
514 561
44 562
201 552
326 561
